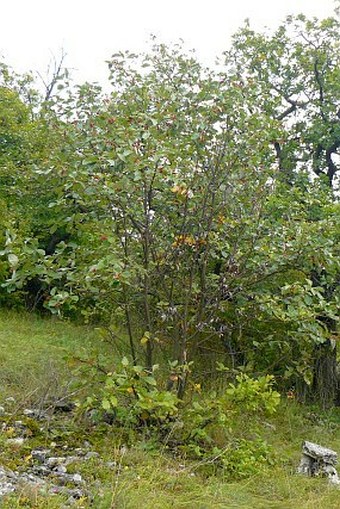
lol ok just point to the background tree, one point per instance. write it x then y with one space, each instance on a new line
294 75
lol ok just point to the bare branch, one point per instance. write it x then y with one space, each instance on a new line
50 81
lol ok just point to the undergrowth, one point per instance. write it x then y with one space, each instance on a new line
231 448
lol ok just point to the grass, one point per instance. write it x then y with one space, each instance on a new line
33 370
33 352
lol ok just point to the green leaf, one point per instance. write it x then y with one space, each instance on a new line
106 404
13 260
113 401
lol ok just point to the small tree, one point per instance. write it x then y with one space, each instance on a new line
190 216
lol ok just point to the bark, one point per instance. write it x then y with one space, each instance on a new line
325 386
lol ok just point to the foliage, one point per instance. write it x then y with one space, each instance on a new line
213 431
245 458
195 210
254 395
294 75
132 397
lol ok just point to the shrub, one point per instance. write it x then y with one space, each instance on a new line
254 395
132 396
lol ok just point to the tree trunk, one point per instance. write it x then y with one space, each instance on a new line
325 386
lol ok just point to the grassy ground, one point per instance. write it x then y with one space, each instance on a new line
33 370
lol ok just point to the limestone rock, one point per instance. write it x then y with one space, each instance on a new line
317 460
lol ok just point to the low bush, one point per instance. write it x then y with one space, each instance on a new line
209 431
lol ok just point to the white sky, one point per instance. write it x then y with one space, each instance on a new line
91 30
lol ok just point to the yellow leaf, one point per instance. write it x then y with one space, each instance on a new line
145 338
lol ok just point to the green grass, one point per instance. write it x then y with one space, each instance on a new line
33 352
33 369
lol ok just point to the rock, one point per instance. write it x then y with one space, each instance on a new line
319 453
47 474
76 493
9 474
6 488
62 469
55 461
270 426
91 454
40 455
332 474
79 451
111 464
317 460
306 465
41 470
16 441
33 414
64 406
29 478
77 478
64 478
10 400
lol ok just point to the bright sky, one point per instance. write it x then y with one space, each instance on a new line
89 31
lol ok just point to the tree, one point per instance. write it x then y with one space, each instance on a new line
187 210
294 76
30 134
